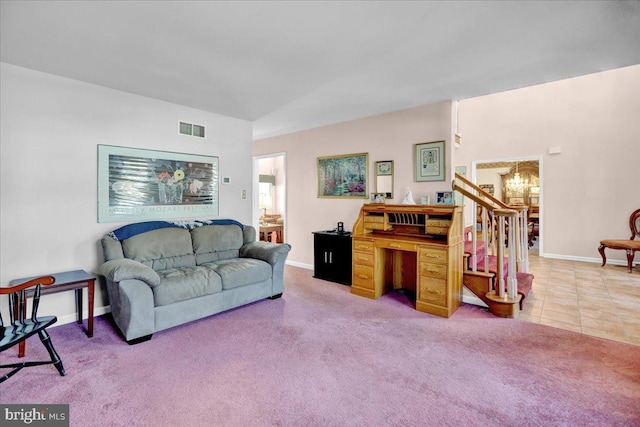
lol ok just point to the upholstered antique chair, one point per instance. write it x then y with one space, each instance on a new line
20 327
630 246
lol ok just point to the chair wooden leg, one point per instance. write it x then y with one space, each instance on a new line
604 258
46 340
630 254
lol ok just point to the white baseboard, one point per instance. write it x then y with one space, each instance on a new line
300 264
71 318
587 259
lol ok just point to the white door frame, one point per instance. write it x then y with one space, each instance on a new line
541 200
256 196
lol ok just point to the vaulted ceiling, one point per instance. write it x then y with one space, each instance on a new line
292 65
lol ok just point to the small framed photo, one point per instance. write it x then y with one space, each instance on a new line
377 197
384 168
425 200
444 197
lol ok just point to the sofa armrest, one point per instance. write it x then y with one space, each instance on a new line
118 270
273 253
132 307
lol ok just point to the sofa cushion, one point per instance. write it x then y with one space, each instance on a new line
216 242
161 249
179 284
240 271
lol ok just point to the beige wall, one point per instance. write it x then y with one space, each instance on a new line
592 186
589 189
385 137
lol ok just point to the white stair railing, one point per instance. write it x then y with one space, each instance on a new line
508 221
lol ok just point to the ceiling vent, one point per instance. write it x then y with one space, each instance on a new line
191 129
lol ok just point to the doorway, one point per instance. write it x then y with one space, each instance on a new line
493 175
270 197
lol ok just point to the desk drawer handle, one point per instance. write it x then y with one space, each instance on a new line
393 245
431 256
363 276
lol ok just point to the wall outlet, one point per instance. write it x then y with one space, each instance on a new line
243 194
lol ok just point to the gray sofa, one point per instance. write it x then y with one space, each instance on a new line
161 274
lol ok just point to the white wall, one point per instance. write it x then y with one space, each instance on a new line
593 185
49 131
385 137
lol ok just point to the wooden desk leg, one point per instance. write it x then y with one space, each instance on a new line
91 300
21 348
79 305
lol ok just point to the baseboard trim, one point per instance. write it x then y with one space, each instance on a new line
300 264
587 259
71 318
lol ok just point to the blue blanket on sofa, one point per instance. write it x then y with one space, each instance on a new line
131 230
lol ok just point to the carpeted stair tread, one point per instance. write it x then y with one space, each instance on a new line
525 280
493 265
481 250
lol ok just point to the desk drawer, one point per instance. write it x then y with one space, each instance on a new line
363 245
433 290
360 258
438 256
433 270
439 223
401 246
438 231
363 276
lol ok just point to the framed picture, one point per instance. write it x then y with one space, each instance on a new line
343 176
136 184
461 170
384 168
429 159
378 197
444 197
487 187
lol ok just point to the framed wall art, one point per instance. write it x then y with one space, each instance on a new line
343 176
487 187
136 184
429 158
444 197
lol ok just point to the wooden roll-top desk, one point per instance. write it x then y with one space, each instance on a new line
417 248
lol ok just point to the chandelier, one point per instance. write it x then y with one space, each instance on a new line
516 184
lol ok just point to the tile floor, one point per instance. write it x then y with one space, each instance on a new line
586 298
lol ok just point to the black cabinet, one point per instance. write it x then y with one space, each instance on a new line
332 256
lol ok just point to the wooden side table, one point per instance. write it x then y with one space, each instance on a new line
265 230
66 281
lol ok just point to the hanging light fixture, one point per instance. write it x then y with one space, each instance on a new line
517 184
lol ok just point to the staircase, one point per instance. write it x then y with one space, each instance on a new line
501 280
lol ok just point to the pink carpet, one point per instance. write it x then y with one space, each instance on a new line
320 356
